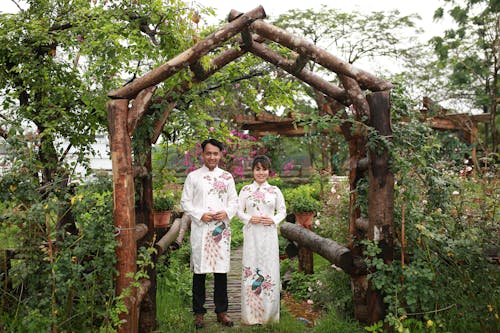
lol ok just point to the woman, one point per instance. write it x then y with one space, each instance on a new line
261 209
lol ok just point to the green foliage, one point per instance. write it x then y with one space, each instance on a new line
333 222
303 198
332 290
174 290
331 321
446 283
163 203
300 285
57 281
236 233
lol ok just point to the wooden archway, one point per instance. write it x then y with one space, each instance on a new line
132 170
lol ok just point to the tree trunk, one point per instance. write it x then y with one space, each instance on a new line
380 195
123 210
357 152
144 214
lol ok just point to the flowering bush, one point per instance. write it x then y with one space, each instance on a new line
240 149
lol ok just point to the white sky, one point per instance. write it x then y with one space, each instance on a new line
273 8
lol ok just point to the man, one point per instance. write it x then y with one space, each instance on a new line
209 198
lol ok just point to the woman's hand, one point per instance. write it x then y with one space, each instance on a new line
266 220
255 219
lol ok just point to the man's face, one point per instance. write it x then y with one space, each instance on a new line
211 156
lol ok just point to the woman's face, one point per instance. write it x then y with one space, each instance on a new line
260 174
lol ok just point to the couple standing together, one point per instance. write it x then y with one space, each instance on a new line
209 197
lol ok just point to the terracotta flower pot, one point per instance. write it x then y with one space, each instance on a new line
162 219
305 219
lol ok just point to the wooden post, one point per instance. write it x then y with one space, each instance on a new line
144 194
380 194
306 258
123 209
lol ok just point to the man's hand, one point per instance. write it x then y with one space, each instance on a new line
207 217
220 215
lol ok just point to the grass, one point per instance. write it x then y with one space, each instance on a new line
174 306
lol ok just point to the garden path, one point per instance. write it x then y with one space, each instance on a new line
233 292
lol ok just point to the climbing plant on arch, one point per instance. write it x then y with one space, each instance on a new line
132 183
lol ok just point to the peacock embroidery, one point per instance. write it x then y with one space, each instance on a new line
213 251
259 283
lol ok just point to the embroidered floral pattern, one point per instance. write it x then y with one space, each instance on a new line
218 184
258 197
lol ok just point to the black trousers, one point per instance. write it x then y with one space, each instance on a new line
220 293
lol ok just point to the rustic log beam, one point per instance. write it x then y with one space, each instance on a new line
189 56
300 63
246 36
381 188
199 72
144 217
337 254
140 171
144 285
363 164
362 224
380 195
158 125
216 64
356 95
318 55
285 132
169 237
140 231
123 209
305 75
139 106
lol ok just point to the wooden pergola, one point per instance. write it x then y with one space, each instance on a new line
368 96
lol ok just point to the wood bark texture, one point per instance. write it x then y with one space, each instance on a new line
123 208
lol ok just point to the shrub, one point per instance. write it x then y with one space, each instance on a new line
163 203
302 199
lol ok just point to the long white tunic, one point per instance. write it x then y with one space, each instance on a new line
209 191
260 285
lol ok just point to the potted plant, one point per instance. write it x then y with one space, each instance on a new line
162 207
303 205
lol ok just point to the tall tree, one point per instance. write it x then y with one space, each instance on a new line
59 59
360 38
468 53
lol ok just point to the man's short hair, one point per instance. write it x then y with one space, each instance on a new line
213 142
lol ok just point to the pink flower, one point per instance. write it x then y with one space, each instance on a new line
247 272
288 166
226 176
267 285
211 129
239 171
258 195
219 186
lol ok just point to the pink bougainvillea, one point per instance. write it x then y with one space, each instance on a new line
240 149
